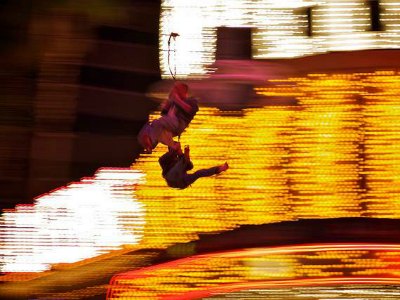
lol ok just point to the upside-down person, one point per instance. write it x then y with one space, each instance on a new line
175 166
177 112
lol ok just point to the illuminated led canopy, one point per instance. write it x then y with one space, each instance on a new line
334 154
280 29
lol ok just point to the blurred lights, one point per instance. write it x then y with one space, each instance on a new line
73 223
267 269
334 154
318 159
279 29
348 130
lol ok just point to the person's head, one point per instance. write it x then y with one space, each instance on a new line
181 89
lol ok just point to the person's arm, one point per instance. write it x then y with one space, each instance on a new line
165 107
189 164
187 152
174 96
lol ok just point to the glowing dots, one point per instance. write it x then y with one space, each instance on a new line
253 191
347 134
382 171
279 29
266 269
73 223
320 158
333 154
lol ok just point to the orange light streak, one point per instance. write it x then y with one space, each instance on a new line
206 275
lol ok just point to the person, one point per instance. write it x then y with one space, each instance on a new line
176 114
175 166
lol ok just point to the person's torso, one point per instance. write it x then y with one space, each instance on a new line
187 116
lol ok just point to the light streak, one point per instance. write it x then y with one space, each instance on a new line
73 223
279 29
302 266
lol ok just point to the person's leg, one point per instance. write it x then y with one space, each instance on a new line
163 135
168 122
146 138
190 178
172 122
162 129
166 139
175 176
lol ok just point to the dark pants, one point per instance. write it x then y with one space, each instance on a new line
190 178
177 177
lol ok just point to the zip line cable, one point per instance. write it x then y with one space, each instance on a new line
173 35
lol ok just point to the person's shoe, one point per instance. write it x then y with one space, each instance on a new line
223 168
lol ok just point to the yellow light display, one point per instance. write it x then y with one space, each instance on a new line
333 154
317 159
204 276
256 180
279 29
382 145
349 134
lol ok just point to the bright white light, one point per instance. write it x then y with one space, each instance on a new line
279 29
73 223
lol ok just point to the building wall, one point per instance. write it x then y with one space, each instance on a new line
87 98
